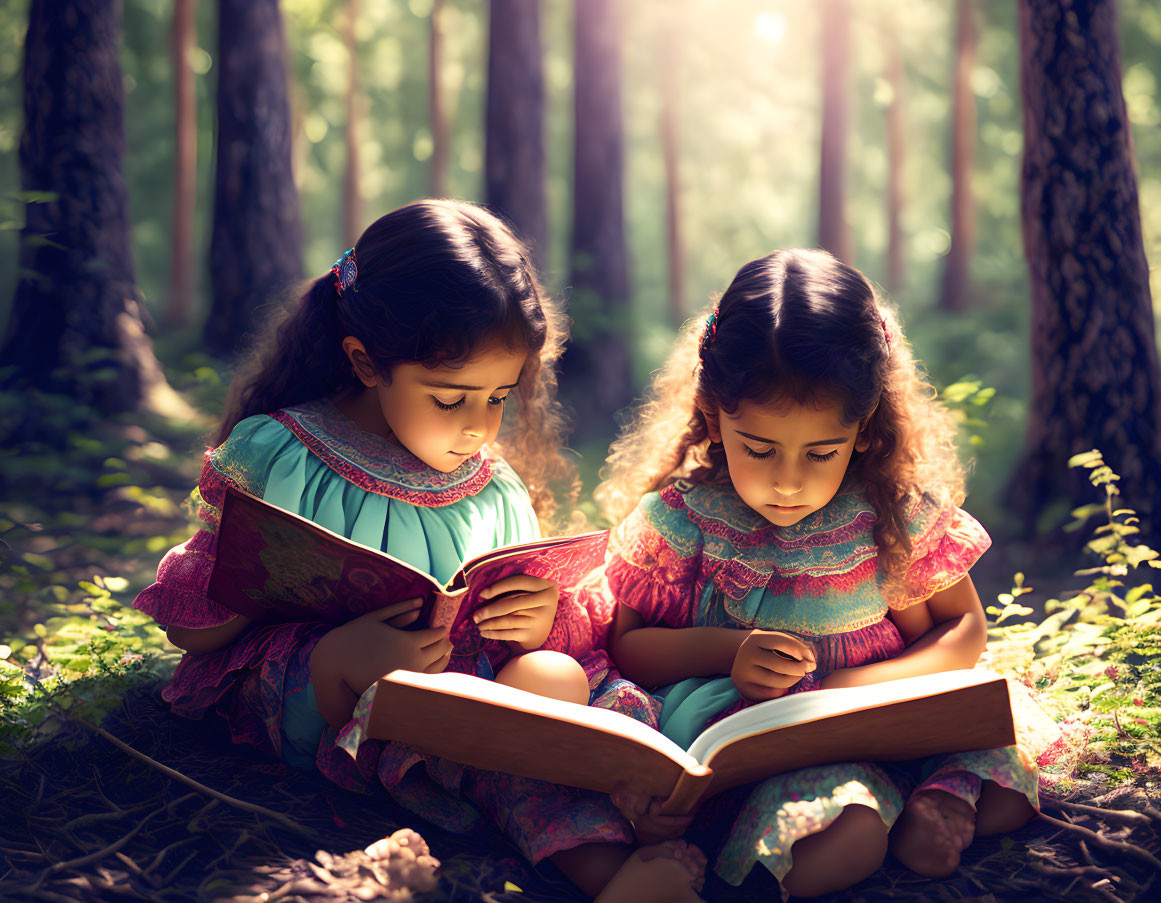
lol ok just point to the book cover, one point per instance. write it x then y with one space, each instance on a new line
273 565
491 726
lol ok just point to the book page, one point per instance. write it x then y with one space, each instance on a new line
818 704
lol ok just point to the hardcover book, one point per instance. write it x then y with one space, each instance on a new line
492 726
273 565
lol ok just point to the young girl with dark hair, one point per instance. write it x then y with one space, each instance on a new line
806 533
374 409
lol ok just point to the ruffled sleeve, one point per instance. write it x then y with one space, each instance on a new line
946 542
654 568
178 598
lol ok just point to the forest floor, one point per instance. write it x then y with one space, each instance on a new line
86 821
83 818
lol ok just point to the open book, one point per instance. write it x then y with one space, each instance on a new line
276 566
496 727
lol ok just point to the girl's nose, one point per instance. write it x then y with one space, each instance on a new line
788 481
476 425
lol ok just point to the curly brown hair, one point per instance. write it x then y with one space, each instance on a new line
436 280
799 325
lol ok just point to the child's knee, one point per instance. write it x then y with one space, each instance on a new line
547 673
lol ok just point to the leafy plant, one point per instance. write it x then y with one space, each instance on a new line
1095 658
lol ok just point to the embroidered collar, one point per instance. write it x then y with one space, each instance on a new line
743 550
380 465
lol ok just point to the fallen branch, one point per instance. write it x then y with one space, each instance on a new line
288 823
1100 840
1128 816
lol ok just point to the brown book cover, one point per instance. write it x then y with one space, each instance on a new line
491 726
273 565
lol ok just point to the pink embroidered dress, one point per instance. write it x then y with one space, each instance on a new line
313 461
695 555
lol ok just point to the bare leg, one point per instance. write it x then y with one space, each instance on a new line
934 828
667 872
1001 809
850 849
591 866
547 673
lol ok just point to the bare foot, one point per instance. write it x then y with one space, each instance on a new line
934 828
669 872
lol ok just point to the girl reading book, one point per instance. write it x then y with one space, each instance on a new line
797 527
374 409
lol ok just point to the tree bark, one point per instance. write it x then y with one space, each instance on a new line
254 251
76 322
833 233
515 165
955 294
179 304
669 50
1095 376
437 108
352 200
896 153
596 376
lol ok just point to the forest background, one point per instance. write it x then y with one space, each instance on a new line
892 133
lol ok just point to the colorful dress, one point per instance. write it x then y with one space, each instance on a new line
695 555
313 461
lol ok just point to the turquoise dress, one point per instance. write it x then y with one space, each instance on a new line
695 555
313 461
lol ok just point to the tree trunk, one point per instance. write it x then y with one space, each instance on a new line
669 50
437 108
180 302
76 322
515 167
1095 376
254 251
596 377
833 233
896 153
955 295
352 200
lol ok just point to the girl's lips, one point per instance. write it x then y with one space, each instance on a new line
788 507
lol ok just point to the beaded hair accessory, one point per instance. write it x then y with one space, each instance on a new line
345 270
710 332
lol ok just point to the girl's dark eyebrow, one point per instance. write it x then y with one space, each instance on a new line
441 385
838 441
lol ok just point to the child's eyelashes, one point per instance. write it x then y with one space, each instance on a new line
813 456
493 401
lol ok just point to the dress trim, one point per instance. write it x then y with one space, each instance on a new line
380 465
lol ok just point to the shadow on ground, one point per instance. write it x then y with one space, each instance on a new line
85 821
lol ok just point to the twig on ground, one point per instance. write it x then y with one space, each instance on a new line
277 817
1128 816
1100 840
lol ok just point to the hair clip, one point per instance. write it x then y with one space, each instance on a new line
886 333
710 331
345 270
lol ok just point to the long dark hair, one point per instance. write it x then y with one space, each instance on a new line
796 325
436 280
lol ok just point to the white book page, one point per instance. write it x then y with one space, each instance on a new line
605 719
816 704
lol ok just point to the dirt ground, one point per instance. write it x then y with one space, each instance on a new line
83 820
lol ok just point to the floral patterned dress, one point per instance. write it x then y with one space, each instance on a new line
313 461
695 555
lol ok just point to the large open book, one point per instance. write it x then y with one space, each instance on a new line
492 726
276 566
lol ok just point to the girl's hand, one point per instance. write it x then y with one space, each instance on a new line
643 812
367 647
768 663
522 612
